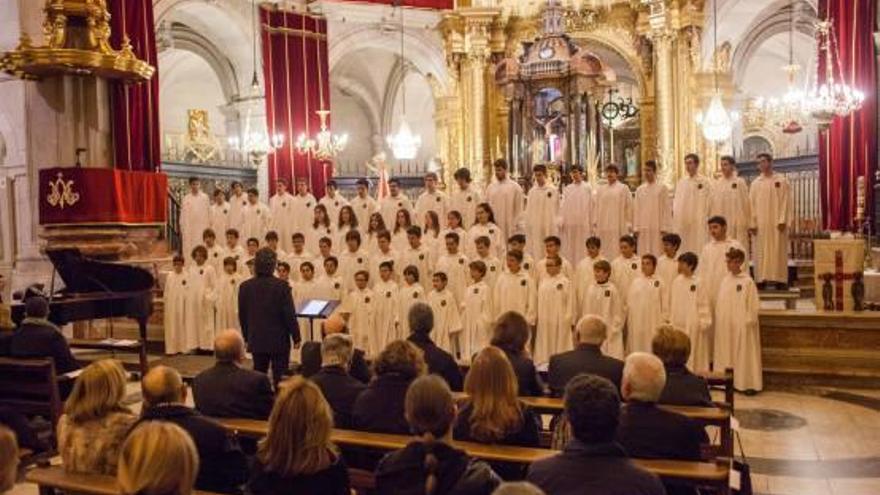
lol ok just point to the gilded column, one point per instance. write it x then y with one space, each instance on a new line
477 39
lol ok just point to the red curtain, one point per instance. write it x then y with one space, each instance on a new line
135 107
419 4
295 72
848 149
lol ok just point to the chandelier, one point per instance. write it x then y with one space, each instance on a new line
716 121
325 145
832 98
405 145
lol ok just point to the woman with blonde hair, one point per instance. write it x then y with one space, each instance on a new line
158 458
297 455
379 408
95 421
8 459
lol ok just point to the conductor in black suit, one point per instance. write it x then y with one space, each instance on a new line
587 357
268 316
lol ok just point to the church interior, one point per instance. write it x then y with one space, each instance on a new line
730 149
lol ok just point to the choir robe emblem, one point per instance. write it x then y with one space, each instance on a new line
634 266
416 295
733 186
607 293
656 283
693 288
443 302
336 285
469 199
523 283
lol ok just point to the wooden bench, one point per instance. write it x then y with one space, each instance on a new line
30 386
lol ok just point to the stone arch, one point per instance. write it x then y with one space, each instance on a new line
185 38
621 44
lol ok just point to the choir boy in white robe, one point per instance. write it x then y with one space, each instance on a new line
583 273
307 288
332 200
492 263
252 245
506 198
556 295
432 199
454 265
447 320
360 306
346 222
215 251
395 201
517 242
175 296
667 263
464 198
690 207
689 312
737 331
227 295
576 215
541 212
652 211
321 226
282 271
476 312
353 260
417 255
237 203
325 250
613 211
485 226
515 290
273 243
301 207
281 208
454 224
553 249
647 303
626 267
730 199
387 302
713 261
298 255
411 292
604 299
384 254
363 204
399 235
330 287
770 197
375 225
256 218
202 298
195 215
219 212
234 249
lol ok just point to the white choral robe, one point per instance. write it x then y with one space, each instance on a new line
497 241
612 215
447 320
377 259
363 208
216 254
176 302
281 207
227 301
730 199
623 272
390 205
606 301
652 215
541 216
689 312
361 306
339 244
333 205
771 206
349 264
427 201
314 235
455 266
330 288
387 303
408 296
239 254
303 291
476 316
515 292
647 309
464 201
553 334
463 241
690 212
201 298
421 258
494 267
584 277
576 215
237 206
737 332
712 267
400 240
297 259
667 270
541 269
195 217
507 201
302 211
220 219
257 221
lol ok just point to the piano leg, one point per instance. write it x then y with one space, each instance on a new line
142 330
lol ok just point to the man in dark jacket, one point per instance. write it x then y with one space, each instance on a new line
586 357
339 388
592 462
440 362
311 353
268 316
37 337
229 391
222 465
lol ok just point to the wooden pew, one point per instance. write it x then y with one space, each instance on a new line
30 386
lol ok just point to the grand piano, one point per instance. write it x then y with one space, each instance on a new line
98 289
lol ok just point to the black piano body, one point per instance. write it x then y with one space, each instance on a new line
95 290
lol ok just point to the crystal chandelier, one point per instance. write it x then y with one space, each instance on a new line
405 145
716 121
325 145
832 98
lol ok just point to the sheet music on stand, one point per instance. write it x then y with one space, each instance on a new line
313 308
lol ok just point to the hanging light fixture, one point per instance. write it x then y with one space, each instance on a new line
717 122
833 98
404 145
325 145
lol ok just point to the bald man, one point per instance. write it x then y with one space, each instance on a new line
311 352
587 337
228 390
222 467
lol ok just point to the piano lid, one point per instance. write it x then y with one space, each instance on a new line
83 275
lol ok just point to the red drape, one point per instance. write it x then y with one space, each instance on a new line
419 4
295 72
135 107
848 149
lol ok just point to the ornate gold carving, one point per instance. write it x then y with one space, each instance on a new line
61 192
199 142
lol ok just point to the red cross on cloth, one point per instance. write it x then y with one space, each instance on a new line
839 278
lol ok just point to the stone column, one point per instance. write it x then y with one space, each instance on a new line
477 24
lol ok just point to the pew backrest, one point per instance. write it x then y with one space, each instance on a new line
30 386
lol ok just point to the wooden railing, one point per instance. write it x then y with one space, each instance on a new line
172 226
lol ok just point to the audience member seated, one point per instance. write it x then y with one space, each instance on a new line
311 353
379 408
517 488
511 334
297 455
339 388
431 465
440 362
24 433
222 467
95 422
645 430
683 388
228 390
8 459
587 357
37 337
592 462
158 458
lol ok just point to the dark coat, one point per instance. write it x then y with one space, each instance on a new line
310 355
586 358
379 408
230 391
648 432
267 315
42 339
600 468
439 361
403 472
684 388
526 375
222 465
330 481
341 391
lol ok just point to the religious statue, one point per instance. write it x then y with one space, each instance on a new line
549 140
199 143
858 292
722 57
827 292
